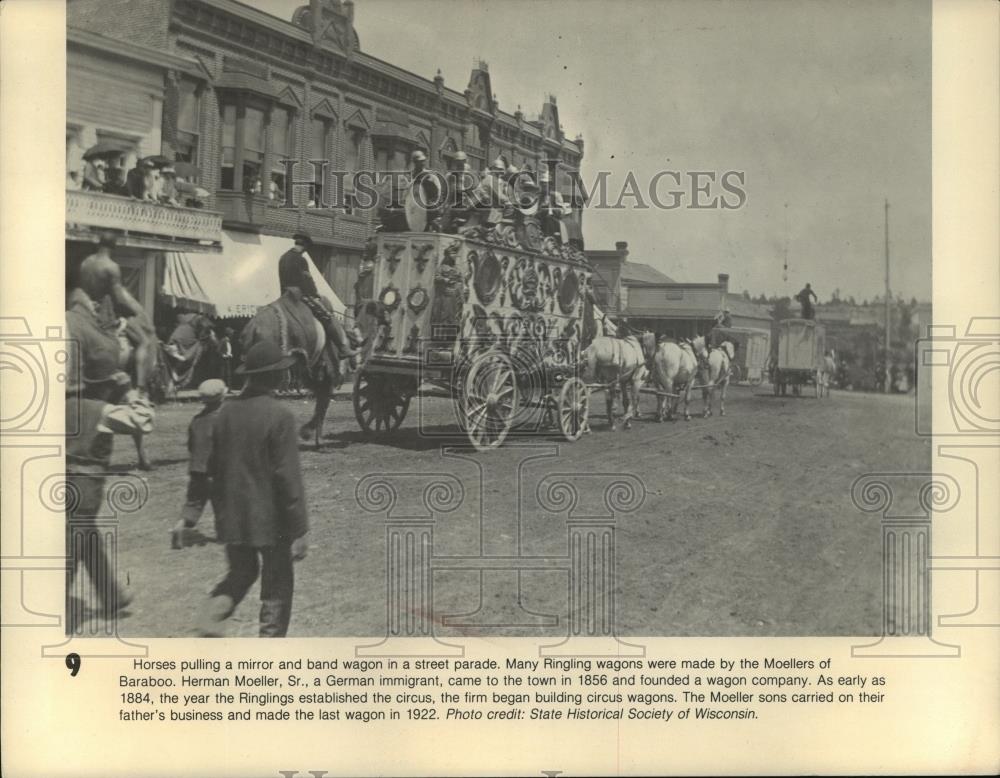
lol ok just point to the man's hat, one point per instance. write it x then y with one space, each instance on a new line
498 164
212 389
168 171
460 156
418 156
265 357
303 237
512 170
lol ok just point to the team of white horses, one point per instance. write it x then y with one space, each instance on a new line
674 370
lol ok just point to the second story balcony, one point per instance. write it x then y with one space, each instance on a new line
142 223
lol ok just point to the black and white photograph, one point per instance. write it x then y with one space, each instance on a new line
493 271
475 347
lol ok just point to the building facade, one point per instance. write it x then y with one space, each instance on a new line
651 300
242 90
115 96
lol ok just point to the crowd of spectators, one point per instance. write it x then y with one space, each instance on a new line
152 179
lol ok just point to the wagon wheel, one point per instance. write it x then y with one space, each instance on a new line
379 407
574 409
489 400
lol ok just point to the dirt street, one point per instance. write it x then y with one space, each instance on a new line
747 527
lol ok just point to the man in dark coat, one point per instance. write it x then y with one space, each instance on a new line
805 298
258 495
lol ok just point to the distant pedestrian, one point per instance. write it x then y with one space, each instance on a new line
259 498
199 490
226 353
805 298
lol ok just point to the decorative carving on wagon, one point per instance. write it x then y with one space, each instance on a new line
412 341
364 287
449 297
488 278
390 298
569 293
422 255
417 300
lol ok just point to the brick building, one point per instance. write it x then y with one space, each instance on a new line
236 90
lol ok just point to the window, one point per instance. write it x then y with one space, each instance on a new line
319 149
282 147
228 147
352 158
243 146
253 148
188 122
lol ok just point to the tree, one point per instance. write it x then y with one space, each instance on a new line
781 308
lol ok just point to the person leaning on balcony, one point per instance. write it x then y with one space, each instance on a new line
93 175
101 278
168 186
141 180
114 182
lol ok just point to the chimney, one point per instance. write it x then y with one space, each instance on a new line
724 282
621 247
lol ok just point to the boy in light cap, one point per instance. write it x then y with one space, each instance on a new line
212 392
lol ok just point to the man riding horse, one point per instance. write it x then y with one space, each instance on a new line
293 271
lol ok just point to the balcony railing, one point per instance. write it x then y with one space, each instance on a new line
103 211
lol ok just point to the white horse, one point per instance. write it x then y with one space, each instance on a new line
620 362
827 369
716 374
674 369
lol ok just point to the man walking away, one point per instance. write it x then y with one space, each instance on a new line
805 298
258 496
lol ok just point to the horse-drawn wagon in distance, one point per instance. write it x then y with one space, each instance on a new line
492 315
798 356
752 352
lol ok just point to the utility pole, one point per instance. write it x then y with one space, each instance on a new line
888 310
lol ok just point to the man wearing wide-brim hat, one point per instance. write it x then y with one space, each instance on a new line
258 495
100 402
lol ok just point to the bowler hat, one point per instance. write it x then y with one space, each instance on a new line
418 156
265 357
303 237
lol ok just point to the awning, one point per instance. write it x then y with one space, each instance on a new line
237 282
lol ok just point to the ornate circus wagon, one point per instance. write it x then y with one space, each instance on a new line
493 317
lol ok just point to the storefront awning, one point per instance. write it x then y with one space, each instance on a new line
237 282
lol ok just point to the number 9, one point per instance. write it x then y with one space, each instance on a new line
73 662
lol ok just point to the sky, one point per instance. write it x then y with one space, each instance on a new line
824 105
